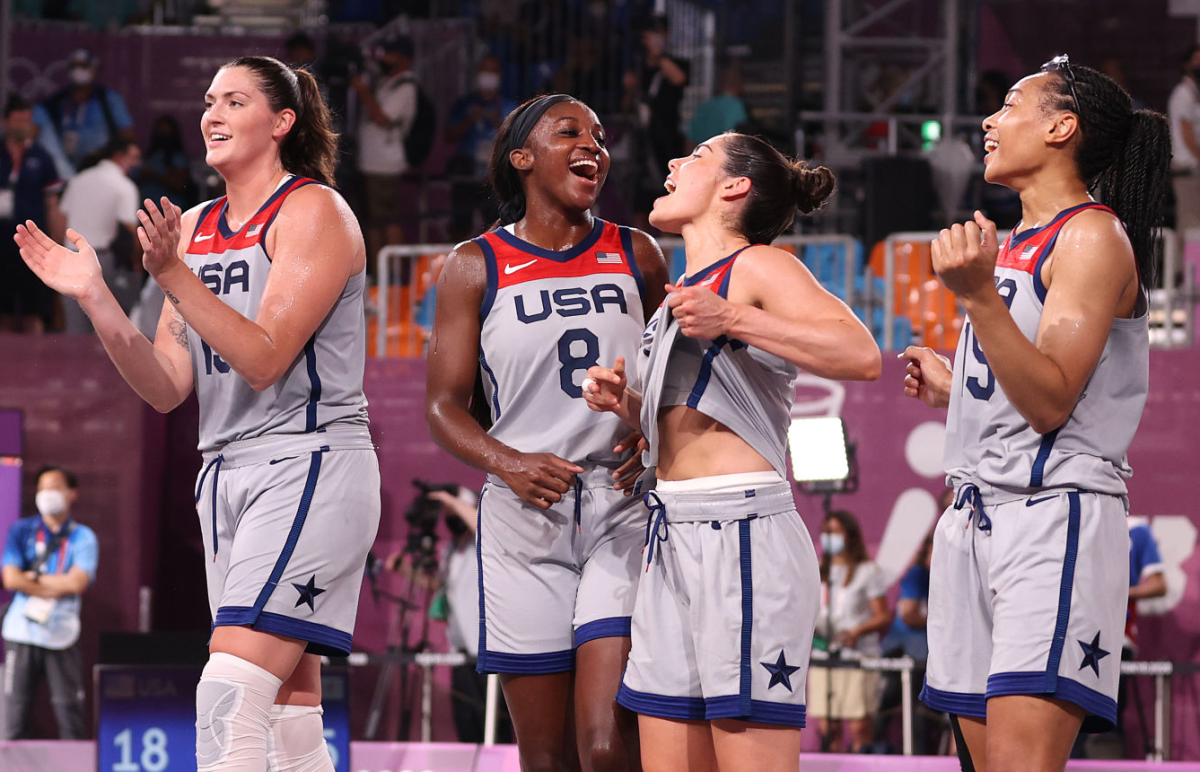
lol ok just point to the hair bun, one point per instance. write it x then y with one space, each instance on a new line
811 186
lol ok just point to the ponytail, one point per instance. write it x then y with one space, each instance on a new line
310 147
1124 157
778 186
1135 187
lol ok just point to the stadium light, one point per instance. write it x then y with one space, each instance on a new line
822 457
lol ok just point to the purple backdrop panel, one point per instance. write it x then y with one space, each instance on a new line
10 493
11 435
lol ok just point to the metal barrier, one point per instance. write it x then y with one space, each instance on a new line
1171 305
397 260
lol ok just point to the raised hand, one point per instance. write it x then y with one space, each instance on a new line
159 233
604 388
700 312
539 479
964 256
74 274
928 377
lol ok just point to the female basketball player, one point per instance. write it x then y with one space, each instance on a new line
726 611
264 319
528 308
1047 388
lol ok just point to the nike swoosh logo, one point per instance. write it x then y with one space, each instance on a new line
204 238
1035 502
510 269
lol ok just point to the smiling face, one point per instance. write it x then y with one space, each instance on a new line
565 155
1019 137
693 187
238 124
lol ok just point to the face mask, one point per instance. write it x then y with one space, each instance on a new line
51 503
833 543
81 76
488 81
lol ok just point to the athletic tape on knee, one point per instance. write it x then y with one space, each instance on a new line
298 740
233 715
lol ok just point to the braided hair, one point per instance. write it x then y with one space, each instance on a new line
1124 156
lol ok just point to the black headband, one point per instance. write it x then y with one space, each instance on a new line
528 119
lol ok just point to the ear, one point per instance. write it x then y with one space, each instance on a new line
284 122
72 495
521 159
1063 127
734 188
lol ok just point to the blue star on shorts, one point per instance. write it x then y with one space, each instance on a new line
780 671
1092 654
308 592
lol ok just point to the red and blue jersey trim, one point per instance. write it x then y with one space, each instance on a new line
510 261
1027 251
214 237
715 276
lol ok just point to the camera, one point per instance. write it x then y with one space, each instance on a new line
422 518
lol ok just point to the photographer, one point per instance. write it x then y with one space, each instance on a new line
456 578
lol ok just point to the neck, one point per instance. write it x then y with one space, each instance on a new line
550 227
56 523
248 189
706 241
1049 193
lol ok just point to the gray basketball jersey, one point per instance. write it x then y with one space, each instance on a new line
988 442
546 318
746 389
324 384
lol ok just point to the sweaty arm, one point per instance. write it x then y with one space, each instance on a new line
779 307
315 247
1091 279
538 478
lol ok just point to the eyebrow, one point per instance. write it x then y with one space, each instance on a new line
703 146
228 94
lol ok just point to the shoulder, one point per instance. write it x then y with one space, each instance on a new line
316 203
764 261
467 256
1095 232
82 535
644 245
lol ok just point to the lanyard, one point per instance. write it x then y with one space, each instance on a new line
60 566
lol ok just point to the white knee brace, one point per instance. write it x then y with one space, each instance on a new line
298 740
233 715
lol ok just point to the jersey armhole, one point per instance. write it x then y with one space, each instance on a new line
493 277
631 257
291 187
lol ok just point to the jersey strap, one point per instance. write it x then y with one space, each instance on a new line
1027 250
213 235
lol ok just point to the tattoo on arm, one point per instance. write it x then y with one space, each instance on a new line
173 299
178 327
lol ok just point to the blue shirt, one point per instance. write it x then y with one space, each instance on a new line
82 128
36 179
1143 554
61 629
914 586
477 142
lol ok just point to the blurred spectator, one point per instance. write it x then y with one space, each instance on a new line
389 108
907 637
853 612
1184 111
654 93
29 189
723 112
1146 580
49 560
165 169
101 203
472 127
457 604
300 51
1114 68
85 116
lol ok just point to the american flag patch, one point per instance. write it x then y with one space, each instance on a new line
1028 251
608 258
253 229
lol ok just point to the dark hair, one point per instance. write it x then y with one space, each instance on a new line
1187 56
299 40
1123 155
310 148
502 176
118 146
69 476
779 185
856 546
167 144
15 104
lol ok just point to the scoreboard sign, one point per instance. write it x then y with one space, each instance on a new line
147 718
